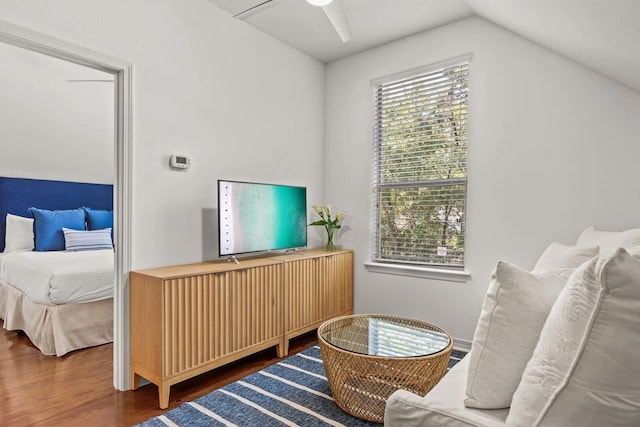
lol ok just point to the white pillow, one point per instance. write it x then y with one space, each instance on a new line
609 240
19 234
513 314
87 240
558 255
585 370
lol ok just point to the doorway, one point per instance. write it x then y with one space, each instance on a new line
121 71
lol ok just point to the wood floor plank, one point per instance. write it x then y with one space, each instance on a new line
77 389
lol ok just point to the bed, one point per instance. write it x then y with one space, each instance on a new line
61 299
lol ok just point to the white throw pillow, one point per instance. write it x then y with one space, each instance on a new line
19 234
87 240
513 314
558 255
585 370
609 240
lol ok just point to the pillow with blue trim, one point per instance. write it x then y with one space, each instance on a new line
87 240
47 227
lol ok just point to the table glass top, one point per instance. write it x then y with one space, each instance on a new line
385 336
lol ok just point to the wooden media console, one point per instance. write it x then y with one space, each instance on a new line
189 319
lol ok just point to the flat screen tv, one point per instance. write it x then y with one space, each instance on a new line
258 217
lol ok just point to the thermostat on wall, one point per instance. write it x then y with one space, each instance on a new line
180 162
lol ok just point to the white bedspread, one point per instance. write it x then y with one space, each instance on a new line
60 277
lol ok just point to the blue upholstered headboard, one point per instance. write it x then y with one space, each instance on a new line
17 195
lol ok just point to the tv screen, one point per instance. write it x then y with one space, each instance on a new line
257 217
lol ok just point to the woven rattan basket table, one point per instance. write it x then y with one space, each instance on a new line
368 357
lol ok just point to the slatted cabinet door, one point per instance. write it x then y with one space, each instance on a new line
189 319
303 295
197 321
318 285
336 281
256 315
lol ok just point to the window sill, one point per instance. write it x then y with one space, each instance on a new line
423 272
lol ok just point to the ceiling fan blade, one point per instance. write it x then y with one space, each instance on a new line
89 80
339 20
254 7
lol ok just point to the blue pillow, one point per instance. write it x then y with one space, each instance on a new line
47 227
98 219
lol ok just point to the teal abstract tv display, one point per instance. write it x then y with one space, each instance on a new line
258 217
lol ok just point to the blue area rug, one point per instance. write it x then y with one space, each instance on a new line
293 392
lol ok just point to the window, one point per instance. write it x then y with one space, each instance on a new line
420 166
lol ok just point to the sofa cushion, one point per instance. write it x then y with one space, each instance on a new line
558 255
442 406
514 311
609 240
585 370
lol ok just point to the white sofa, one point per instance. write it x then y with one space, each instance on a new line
556 346
442 406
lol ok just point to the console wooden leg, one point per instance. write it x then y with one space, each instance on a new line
135 380
283 348
163 393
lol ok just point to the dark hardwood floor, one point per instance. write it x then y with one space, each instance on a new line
77 389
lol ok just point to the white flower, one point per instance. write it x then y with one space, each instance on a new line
318 210
327 209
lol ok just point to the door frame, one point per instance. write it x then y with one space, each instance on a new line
122 72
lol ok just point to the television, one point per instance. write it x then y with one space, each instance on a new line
259 217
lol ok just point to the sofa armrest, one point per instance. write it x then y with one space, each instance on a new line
442 406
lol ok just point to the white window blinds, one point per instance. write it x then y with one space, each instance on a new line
420 166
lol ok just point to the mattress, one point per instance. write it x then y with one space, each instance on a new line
60 277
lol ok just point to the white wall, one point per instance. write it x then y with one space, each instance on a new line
552 149
54 128
242 105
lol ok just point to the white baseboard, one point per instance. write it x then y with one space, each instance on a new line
461 345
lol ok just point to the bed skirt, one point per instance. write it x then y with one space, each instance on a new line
57 329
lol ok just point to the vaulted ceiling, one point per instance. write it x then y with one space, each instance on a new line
603 35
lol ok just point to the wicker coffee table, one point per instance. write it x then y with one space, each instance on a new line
368 357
